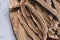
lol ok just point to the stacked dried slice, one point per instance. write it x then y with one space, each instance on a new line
35 19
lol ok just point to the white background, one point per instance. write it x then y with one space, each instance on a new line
6 32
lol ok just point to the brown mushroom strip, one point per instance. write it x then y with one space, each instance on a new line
13 4
36 13
30 22
57 5
48 1
39 26
29 31
18 28
40 17
46 5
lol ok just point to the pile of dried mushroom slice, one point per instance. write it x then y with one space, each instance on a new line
35 19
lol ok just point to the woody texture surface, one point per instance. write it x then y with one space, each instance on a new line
35 19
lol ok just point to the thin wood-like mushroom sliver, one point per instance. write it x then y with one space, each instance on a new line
48 1
44 14
39 26
37 13
28 30
39 16
51 23
30 22
13 4
57 5
52 10
14 24
36 20
18 28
